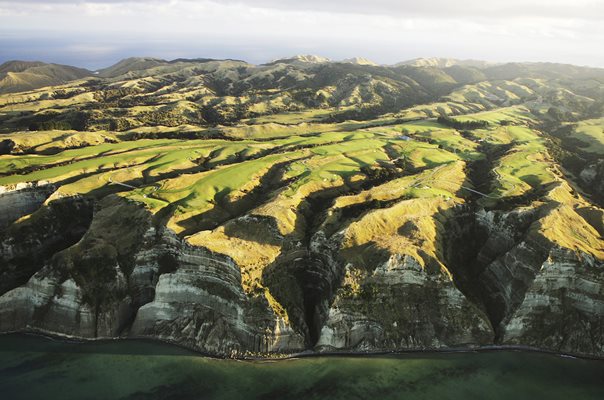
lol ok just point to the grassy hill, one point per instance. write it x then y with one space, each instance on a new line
340 195
19 76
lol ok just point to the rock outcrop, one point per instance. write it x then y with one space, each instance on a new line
31 242
402 306
488 277
22 199
563 309
125 277
305 204
199 301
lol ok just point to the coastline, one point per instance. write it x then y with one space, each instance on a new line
62 338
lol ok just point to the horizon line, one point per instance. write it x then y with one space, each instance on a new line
327 60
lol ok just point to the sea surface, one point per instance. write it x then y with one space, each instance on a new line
34 367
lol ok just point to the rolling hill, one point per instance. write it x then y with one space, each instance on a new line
20 76
304 204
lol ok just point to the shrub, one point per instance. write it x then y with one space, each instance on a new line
460 125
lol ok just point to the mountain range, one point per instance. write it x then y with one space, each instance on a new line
17 76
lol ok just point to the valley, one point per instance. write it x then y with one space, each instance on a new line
264 210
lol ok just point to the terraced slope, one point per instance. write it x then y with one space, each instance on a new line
239 209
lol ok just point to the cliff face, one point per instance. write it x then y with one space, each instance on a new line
402 306
29 243
563 308
593 178
126 278
240 209
492 277
398 299
198 300
21 200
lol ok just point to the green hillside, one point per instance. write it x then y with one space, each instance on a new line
330 198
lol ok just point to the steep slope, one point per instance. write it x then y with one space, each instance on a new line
358 61
301 59
19 76
18 66
256 210
444 63
130 64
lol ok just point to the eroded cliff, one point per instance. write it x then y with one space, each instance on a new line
272 222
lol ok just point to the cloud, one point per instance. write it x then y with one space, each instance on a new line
385 30
582 9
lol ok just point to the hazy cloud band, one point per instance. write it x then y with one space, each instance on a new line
385 30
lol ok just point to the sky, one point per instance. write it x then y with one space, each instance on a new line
97 33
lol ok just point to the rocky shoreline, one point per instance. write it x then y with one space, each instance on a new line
242 209
181 293
308 353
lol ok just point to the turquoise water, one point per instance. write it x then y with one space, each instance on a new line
38 368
